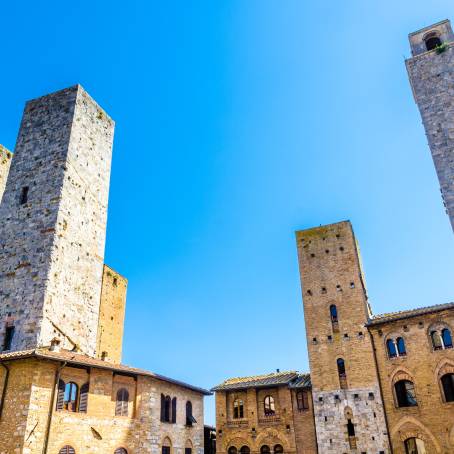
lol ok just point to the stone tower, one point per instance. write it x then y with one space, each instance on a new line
5 162
52 234
348 407
431 73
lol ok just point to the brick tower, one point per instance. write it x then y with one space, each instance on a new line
348 408
52 234
431 73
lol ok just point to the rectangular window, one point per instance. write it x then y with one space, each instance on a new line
24 195
166 450
187 451
9 334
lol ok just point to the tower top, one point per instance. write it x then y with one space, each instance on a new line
428 38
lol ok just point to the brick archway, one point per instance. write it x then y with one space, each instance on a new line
410 427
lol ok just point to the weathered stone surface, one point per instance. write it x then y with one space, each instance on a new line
432 79
52 244
5 162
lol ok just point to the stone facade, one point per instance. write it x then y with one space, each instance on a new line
25 422
5 162
431 76
289 426
432 419
111 315
62 310
336 311
54 213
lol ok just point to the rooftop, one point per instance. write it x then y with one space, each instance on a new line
78 359
400 315
292 379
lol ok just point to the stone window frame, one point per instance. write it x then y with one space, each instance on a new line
430 35
402 374
166 442
239 398
261 395
394 336
80 378
128 383
438 326
447 367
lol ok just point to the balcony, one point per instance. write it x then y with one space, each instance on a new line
271 419
238 423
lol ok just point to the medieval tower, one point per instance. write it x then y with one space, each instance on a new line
432 79
348 408
54 214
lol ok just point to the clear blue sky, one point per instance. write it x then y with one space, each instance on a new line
239 122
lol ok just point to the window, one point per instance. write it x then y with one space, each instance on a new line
441 338
190 420
232 450
70 397
166 446
265 449
396 347
238 409
122 402
174 410
350 428
83 400
269 406
245 450
334 317
278 449
120 451
447 381
187 450
341 372
414 446
8 339
67 450
432 41
405 393
166 403
24 195
302 400
391 347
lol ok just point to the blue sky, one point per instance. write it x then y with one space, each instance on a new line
239 122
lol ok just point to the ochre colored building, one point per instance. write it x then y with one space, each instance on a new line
63 389
378 383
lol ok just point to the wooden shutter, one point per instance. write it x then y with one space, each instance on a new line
174 410
83 402
60 395
67 450
163 404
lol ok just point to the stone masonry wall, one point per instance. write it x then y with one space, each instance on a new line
331 274
5 162
111 315
52 246
98 431
432 420
432 80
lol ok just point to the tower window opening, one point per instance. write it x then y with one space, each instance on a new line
24 195
432 41
8 340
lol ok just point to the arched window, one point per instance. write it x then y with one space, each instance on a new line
238 409
67 450
166 446
166 403
232 450
302 400
341 367
269 406
265 449
278 449
188 447
391 347
333 313
189 416
446 338
441 338
401 346
245 450
70 397
414 446
120 451
432 41
405 393
122 403
447 382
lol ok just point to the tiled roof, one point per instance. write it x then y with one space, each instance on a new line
393 316
287 378
302 381
84 360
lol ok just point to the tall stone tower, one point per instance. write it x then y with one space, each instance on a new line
349 415
431 73
52 234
